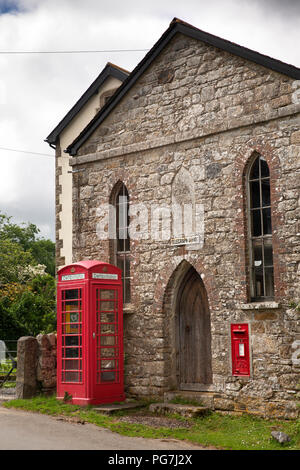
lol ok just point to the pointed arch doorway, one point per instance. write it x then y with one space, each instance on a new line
193 333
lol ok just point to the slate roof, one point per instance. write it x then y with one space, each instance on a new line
178 26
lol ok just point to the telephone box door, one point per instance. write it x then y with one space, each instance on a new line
107 342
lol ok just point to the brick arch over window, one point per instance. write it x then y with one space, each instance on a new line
244 160
117 178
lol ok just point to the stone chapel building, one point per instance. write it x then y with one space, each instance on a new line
207 133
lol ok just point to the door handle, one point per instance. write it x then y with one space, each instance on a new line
94 335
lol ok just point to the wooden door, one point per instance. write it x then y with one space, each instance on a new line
193 333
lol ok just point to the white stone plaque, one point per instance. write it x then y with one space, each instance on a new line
185 240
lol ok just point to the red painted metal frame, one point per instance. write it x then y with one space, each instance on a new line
240 349
92 277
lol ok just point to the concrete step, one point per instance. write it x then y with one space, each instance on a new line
111 408
189 411
205 399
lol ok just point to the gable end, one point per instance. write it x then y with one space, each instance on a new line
178 26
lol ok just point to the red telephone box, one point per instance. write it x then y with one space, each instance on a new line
90 333
240 349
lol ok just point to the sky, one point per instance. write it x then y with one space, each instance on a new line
40 81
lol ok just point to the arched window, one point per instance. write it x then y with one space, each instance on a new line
260 231
121 255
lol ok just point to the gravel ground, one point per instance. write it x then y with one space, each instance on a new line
155 421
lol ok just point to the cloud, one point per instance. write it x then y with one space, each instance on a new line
287 8
37 90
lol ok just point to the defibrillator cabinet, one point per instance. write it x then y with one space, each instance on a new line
90 333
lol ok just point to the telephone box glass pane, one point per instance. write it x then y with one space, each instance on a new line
71 364
71 294
107 317
108 376
107 294
108 340
71 329
68 376
107 306
109 352
108 364
107 329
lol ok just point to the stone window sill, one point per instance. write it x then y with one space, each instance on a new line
260 305
128 308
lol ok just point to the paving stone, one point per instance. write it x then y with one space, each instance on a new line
189 411
111 408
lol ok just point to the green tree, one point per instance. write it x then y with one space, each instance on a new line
43 252
27 283
28 309
24 234
13 262
26 237
34 308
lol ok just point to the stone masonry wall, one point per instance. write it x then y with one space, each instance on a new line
204 112
36 370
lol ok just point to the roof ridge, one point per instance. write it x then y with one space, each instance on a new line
228 41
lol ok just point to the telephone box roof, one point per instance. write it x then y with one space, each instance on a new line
87 264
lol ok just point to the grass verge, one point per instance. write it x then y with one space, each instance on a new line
218 430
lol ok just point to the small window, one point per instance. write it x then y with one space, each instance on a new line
105 97
260 231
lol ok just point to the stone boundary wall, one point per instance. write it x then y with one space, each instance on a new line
36 370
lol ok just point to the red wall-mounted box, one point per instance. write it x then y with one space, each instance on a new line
240 349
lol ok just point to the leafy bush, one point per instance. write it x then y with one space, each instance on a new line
27 284
29 309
